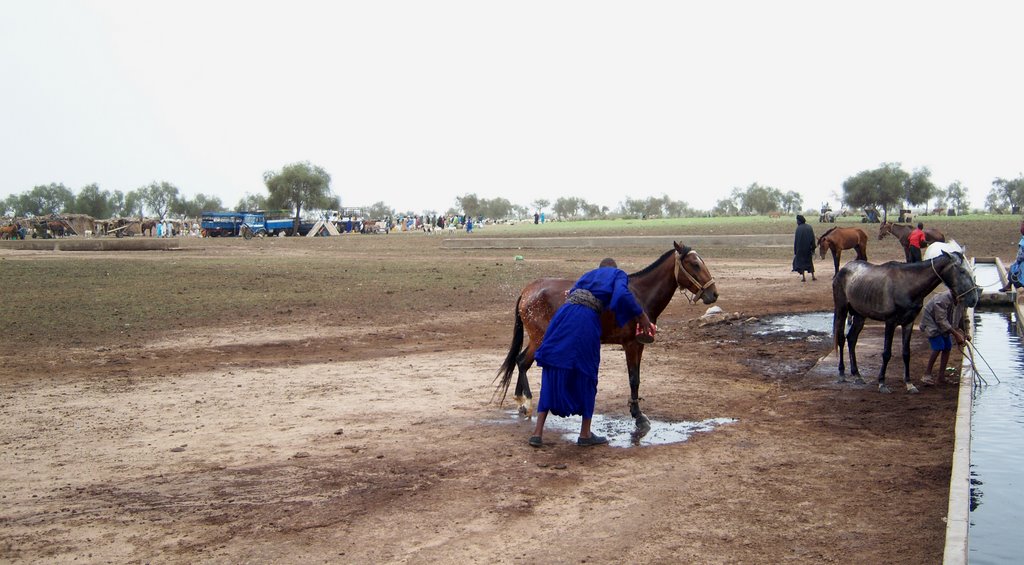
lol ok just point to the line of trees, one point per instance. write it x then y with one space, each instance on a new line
304 186
158 198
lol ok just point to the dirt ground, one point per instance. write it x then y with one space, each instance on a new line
321 441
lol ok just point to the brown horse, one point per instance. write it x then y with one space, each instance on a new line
838 239
902 233
12 231
148 226
653 287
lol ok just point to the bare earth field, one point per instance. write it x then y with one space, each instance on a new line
330 400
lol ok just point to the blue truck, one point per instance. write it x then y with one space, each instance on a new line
246 224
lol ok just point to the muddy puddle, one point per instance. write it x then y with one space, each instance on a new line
620 431
811 326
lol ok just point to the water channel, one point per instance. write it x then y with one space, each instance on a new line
997 441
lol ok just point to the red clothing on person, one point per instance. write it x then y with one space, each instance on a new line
916 238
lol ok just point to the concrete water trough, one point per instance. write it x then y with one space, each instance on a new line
92 244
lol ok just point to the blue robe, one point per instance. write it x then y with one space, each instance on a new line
1015 269
570 353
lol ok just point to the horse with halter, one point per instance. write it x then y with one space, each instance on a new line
654 286
902 233
838 239
893 293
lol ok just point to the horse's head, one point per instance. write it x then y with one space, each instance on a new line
958 276
693 276
823 246
884 228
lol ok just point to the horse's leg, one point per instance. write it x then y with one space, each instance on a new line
836 254
890 330
523 396
839 329
856 326
907 329
633 356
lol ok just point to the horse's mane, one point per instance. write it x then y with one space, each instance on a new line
830 230
657 262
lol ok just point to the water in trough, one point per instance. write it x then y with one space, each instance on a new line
997 442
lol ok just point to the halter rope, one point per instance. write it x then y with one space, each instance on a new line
691 297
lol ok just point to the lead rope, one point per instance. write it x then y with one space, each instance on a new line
691 297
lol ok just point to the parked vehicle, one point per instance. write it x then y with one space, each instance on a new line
221 224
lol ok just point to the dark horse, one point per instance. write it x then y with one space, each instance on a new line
148 226
653 287
838 239
893 293
902 233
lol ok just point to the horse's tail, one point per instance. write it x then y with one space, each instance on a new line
504 377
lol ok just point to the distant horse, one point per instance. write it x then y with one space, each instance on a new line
893 293
902 233
148 226
12 231
653 287
838 239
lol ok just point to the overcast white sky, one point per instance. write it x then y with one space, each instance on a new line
414 103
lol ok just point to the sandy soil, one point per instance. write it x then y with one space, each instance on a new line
383 445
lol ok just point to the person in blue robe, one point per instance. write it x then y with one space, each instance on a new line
570 353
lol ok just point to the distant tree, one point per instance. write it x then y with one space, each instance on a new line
117 204
135 203
379 211
882 187
757 199
93 201
791 202
939 195
470 205
957 195
677 209
918 188
44 200
540 204
195 206
298 186
726 207
520 211
1005 194
497 208
566 207
159 197
251 202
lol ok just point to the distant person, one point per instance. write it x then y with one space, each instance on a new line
1018 265
915 241
942 322
570 354
542 217
803 249
536 217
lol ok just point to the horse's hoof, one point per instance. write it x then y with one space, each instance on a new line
858 381
643 425
842 379
883 389
911 389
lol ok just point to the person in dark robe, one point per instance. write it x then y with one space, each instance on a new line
804 244
571 351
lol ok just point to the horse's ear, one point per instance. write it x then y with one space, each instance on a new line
679 248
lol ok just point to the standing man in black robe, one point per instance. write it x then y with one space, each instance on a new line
803 249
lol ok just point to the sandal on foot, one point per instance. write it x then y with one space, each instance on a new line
535 441
927 380
594 439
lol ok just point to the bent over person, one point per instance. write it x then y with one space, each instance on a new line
942 322
571 351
